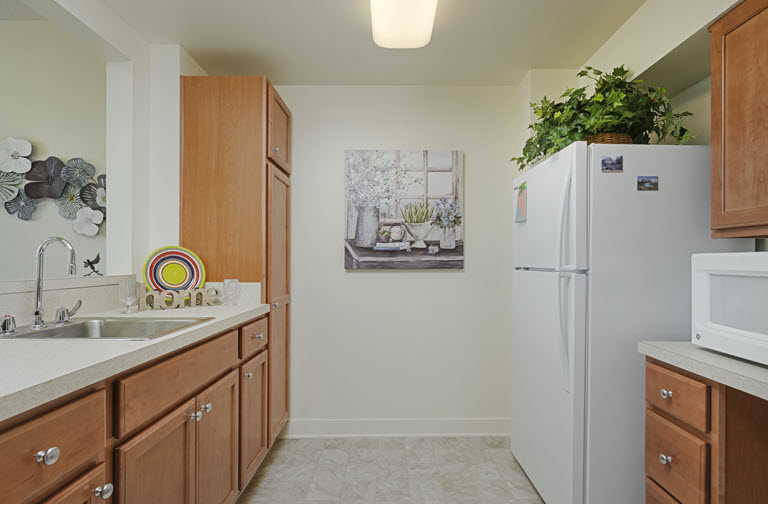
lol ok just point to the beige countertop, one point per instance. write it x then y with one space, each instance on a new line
35 372
747 376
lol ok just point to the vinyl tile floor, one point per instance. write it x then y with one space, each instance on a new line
391 470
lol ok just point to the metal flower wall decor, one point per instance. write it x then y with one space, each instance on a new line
78 195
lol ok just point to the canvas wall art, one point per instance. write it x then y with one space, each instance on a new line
404 209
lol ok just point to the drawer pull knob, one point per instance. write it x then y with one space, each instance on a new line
197 416
249 375
207 407
48 457
105 492
260 336
665 394
665 459
276 149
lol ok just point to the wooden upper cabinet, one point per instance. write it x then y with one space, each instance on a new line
158 464
740 121
223 155
218 441
279 130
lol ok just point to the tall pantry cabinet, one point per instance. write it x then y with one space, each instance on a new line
235 200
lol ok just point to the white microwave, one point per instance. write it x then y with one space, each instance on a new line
730 304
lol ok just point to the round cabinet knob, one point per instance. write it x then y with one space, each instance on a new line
665 459
276 304
197 416
665 393
48 457
249 375
276 149
260 336
105 492
207 407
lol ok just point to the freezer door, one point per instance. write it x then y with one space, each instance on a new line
547 435
554 234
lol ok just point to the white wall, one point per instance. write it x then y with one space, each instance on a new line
168 63
655 29
142 127
53 90
410 351
698 100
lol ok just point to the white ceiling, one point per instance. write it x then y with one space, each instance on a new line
15 10
475 42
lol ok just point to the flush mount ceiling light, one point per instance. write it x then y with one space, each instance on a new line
402 24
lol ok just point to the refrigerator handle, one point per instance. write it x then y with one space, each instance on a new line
562 314
564 198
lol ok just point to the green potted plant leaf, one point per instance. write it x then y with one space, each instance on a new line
618 111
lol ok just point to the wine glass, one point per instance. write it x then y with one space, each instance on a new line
129 293
231 290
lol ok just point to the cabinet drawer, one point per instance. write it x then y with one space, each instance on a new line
685 476
253 337
681 396
83 489
77 431
278 130
656 494
145 394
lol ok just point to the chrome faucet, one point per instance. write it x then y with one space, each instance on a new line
71 270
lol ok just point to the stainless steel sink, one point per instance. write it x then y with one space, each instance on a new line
113 328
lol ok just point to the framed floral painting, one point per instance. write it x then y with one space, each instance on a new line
404 209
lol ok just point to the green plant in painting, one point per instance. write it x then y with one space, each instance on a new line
417 212
616 106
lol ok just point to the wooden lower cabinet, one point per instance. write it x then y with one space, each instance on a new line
676 459
218 441
656 494
254 435
278 370
86 489
172 431
158 464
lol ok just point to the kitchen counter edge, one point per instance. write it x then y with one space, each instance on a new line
744 375
59 385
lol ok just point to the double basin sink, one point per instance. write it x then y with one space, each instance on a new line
111 328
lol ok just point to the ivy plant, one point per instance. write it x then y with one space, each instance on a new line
615 106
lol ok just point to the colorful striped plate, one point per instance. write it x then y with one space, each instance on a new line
173 269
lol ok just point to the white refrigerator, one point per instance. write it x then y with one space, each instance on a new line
602 248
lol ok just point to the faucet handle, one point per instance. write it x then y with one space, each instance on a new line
62 314
7 326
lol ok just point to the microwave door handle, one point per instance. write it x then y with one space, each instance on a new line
562 340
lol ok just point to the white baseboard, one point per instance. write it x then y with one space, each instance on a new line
439 427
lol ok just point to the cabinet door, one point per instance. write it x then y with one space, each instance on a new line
218 441
278 130
278 295
254 436
158 464
83 489
739 121
223 144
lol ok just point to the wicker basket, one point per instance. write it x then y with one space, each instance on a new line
609 138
